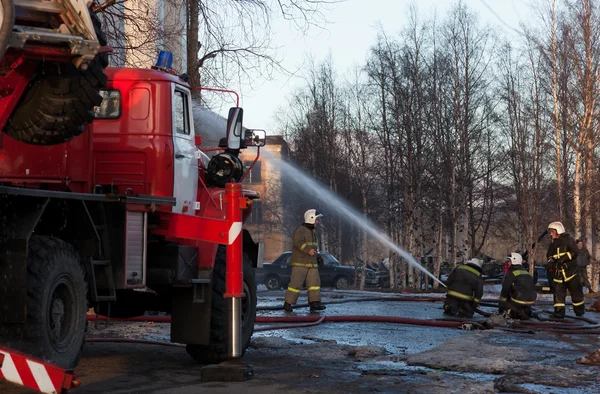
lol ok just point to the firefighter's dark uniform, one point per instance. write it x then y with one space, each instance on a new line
518 293
304 266
465 289
562 255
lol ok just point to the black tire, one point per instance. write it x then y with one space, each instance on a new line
56 304
342 283
217 349
59 100
273 282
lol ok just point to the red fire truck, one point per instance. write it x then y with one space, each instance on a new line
123 214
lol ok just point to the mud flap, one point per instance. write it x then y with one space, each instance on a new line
190 321
254 250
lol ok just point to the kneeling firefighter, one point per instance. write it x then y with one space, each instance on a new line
305 264
465 289
518 290
562 258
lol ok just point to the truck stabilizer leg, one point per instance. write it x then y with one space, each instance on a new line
27 371
233 370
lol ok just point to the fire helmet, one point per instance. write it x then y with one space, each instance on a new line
311 215
475 261
516 259
558 226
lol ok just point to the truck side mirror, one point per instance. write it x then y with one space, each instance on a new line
234 128
256 137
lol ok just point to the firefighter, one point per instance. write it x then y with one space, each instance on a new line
518 290
583 261
304 263
465 289
562 257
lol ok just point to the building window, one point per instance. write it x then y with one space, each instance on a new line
255 175
256 216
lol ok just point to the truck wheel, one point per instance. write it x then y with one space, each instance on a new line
341 283
60 100
56 304
217 350
273 282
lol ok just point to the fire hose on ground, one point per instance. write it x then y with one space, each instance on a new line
484 302
294 322
309 319
544 324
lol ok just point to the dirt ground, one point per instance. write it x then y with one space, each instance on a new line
350 358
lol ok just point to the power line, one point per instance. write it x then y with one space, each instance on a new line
501 20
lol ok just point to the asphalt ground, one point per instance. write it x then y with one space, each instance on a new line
341 357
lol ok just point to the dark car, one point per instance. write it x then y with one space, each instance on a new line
542 284
332 273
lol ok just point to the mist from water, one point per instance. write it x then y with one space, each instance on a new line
336 203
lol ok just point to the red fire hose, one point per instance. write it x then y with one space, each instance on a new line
296 322
310 319
296 325
131 340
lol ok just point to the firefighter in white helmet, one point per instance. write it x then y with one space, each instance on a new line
562 260
305 266
518 290
465 289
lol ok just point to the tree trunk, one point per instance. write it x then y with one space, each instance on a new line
365 254
559 188
193 46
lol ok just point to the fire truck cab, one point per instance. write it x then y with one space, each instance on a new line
129 216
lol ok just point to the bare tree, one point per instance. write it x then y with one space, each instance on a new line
136 28
230 41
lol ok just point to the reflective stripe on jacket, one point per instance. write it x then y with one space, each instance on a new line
518 286
564 251
465 283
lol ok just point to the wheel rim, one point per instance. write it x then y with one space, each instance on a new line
342 283
272 283
61 319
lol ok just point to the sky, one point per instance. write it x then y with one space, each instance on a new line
351 31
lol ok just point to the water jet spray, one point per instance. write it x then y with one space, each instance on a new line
338 204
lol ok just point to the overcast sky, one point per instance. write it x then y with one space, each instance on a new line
349 35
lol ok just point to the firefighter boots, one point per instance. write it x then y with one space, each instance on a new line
287 307
316 306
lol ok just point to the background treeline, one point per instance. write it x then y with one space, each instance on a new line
454 137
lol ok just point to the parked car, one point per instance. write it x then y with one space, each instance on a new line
332 273
542 285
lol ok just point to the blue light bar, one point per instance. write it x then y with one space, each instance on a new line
165 59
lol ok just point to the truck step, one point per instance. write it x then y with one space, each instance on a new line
105 298
100 263
100 280
201 281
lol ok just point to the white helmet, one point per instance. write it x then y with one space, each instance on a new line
311 215
475 261
558 226
516 259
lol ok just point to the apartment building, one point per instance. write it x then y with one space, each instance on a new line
145 27
270 221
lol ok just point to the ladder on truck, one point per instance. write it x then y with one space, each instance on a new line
18 368
74 27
